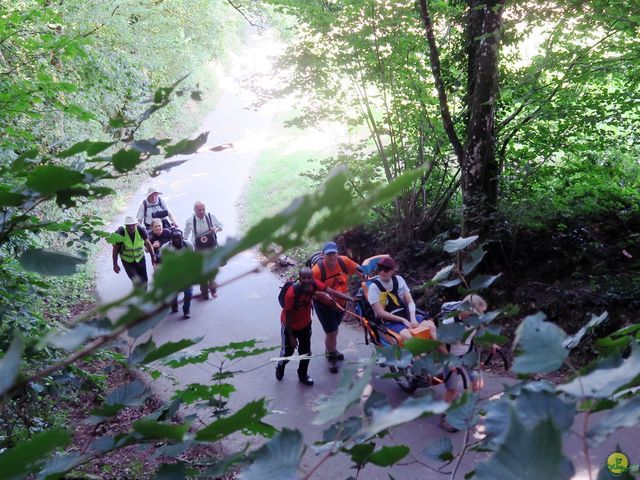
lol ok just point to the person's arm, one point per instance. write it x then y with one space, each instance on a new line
411 307
335 293
114 256
289 316
188 226
140 214
382 314
217 224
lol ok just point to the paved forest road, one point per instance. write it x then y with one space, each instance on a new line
249 309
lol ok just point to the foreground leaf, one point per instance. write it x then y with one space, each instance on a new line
441 449
50 262
540 345
387 456
10 363
527 454
346 394
452 246
624 415
26 457
244 419
603 382
276 460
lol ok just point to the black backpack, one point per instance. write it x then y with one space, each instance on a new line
316 259
283 291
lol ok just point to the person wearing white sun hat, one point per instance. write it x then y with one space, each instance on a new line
154 207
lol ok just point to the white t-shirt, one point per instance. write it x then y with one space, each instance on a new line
201 225
151 209
374 292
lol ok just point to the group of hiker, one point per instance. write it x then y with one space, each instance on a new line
155 231
323 286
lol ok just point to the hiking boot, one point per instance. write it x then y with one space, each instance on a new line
186 315
174 309
334 356
333 368
204 296
279 371
306 379
446 426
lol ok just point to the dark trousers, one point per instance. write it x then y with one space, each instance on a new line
207 286
304 347
186 302
137 272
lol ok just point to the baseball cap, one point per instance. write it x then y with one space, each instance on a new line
330 247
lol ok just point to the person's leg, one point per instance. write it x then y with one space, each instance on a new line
304 348
137 276
286 350
174 304
186 302
330 324
141 271
204 290
450 394
213 288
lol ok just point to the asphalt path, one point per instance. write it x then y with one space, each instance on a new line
248 308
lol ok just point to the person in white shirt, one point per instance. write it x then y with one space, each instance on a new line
202 228
154 207
392 302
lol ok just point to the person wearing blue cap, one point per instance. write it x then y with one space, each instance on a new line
333 270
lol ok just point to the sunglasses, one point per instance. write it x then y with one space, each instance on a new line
382 268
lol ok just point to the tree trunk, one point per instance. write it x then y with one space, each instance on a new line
479 163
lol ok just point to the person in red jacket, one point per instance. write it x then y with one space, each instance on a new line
295 321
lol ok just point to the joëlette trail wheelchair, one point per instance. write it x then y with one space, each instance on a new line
409 371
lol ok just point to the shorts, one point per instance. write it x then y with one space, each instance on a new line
329 317
395 326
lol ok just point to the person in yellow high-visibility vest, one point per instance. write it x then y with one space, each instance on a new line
130 242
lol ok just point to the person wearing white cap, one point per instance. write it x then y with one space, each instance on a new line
154 207
130 242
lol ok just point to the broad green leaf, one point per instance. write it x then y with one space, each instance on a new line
573 340
527 454
50 262
140 351
604 382
451 283
92 148
58 465
540 346
11 199
626 414
443 273
459 244
28 455
126 160
483 281
197 391
178 271
418 346
450 332
489 338
412 408
72 339
226 464
535 406
130 394
349 390
387 456
169 348
475 258
49 179
343 430
244 419
172 471
360 452
441 449
276 460
186 146
146 146
462 413
390 191
10 363
393 355
163 431
249 353
22 161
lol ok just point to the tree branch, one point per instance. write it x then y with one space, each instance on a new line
434 58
